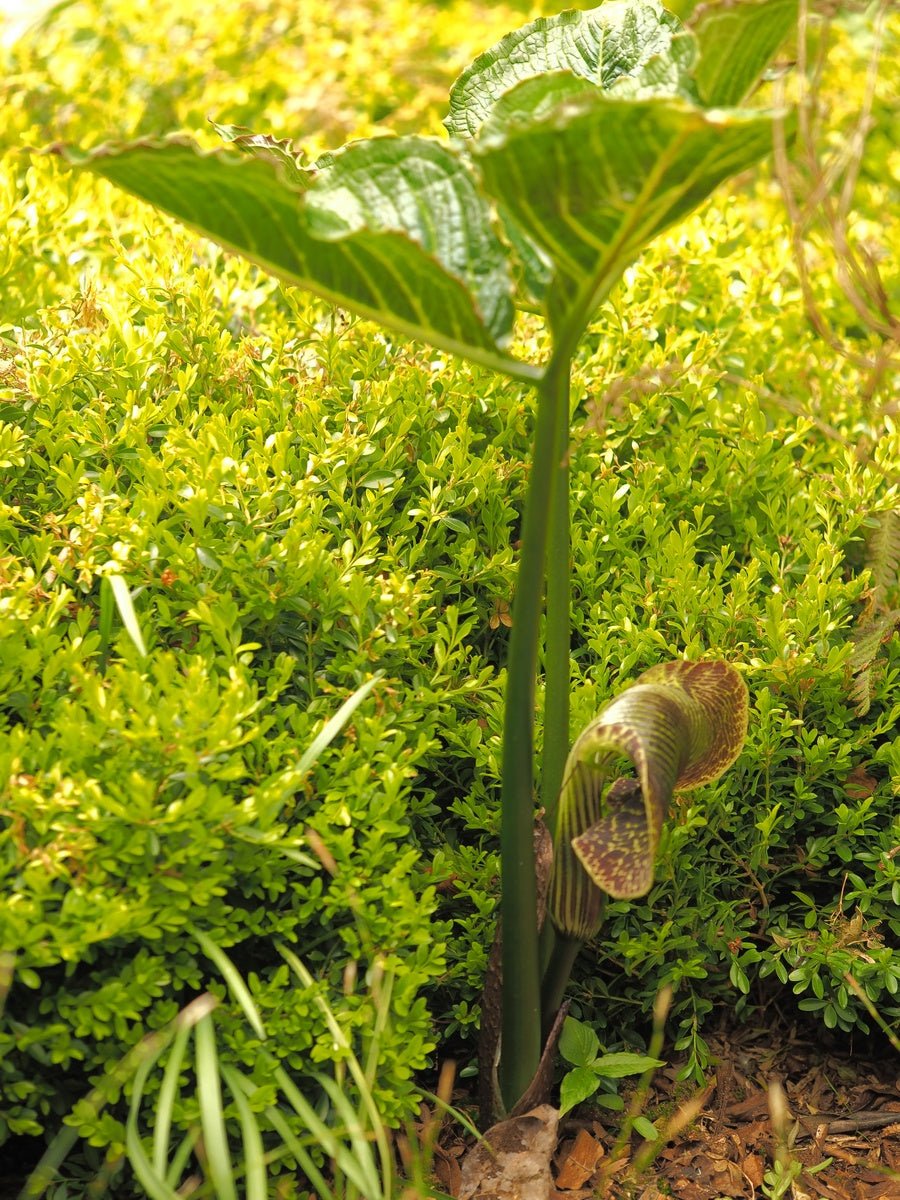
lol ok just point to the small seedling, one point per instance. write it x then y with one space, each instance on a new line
594 1074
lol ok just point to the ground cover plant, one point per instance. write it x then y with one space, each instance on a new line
626 106
252 463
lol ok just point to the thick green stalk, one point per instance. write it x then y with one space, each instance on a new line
521 1020
557 645
557 642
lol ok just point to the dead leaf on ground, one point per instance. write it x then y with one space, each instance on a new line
447 1171
859 784
754 1168
513 1160
579 1162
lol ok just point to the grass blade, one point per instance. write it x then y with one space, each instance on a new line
359 1076
156 1187
122 597
181 1156
44 1173
335 724
105 619
148 1174
296 1147
166 1102
330 1141
212 1120
291 1142
136 1063
360 1146
253 1158
233 978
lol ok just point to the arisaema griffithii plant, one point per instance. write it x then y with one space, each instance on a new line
680 725
573 143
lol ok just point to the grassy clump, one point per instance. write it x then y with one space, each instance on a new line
296 502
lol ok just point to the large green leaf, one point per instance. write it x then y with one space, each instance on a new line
620 40
549 102
622 171
633 46
736 39
395 229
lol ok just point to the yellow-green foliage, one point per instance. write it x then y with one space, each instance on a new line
296 501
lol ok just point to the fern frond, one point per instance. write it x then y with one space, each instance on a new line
864 668
883 556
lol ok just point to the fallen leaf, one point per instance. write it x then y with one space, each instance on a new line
513 1160
447 1172
580 1162
859 784
754 1168
753 1106
725 1178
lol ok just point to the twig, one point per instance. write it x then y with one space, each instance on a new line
829 196
855 1124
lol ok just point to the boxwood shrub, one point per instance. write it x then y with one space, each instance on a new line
296 502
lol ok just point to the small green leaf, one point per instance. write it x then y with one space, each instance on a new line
578 1043
577 1085
617 1066
609 1100
645 1128
207 560
738 977
378 479
125 606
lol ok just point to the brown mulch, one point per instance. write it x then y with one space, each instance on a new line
839 1110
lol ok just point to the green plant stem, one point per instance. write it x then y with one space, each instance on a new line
546 946
557 638
520 1020
556 978
557 647
642 1160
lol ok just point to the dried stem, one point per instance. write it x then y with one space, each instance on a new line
819 193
